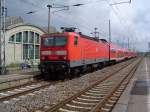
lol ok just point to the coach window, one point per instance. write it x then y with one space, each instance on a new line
75 40
113 51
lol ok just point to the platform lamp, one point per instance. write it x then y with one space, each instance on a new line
58 6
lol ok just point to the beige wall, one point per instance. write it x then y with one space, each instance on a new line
10 51
18 52
14 51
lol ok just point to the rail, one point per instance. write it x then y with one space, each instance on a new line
82 100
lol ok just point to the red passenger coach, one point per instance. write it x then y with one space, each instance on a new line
73 52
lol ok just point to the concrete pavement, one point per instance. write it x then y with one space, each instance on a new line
136 97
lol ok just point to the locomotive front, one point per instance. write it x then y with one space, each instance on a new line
53 53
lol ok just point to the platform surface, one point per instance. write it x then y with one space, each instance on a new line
136 97
140 94
18 74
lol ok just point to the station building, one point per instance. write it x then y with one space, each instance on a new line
22 41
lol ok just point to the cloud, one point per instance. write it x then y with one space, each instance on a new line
127 20
94 13
133 23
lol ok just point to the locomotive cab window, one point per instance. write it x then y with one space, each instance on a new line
54 41
75 40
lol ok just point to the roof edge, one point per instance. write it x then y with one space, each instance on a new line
24 24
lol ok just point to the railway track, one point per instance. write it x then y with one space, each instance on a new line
17 80
22 89
98 97
13 93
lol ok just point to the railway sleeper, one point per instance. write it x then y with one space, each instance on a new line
105 110
82 104
90 99
91 96
109 105
66 110
104 89
87 99
71 107
94 94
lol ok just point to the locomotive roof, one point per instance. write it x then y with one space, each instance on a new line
54 34
88 37
65 33
113 46
75 33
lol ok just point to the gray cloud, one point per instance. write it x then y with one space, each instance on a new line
94 14
134 23
127 20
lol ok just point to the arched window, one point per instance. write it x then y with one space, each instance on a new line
31 37
37 39
12 38
19 37
37 49
29 42
25 37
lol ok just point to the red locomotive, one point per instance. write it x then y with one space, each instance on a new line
69 52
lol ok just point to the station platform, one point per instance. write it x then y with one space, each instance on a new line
16 77
22 71
136 97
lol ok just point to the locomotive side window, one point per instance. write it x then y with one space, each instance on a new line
75 40
113 51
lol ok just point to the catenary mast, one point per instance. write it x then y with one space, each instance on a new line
2 36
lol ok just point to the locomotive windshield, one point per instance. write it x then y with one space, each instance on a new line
54 41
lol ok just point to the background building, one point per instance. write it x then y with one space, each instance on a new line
22 41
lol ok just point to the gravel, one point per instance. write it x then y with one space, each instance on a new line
54 93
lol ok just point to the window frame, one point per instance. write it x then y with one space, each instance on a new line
12 39
54 41
25 36
19 37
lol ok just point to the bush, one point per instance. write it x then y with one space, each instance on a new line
13 65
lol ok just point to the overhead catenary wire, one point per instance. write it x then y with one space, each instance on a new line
122 21
84 26
128 30
70 5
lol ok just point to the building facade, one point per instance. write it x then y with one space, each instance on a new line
22 42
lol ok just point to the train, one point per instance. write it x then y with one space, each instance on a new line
70 53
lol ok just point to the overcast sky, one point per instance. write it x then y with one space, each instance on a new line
128 21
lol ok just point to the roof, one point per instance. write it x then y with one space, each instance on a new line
11 20
14 21
23 24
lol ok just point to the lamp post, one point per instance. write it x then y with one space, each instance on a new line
109 45
58 6
3 12
49 10
62 7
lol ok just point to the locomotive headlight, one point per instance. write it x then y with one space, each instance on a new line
46 52
61 52
65 57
